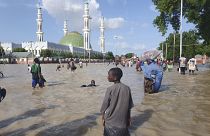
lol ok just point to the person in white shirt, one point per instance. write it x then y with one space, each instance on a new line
182 65
192 65
80 64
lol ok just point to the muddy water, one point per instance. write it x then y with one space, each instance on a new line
182 108
62 108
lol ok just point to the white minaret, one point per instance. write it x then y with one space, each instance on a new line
65 28
102 38
86 30
39 32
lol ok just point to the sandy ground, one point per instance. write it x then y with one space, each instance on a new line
62 108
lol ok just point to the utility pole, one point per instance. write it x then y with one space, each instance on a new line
32 51
174 45
166 56
181 29
162 51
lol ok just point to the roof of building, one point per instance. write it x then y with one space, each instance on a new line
73 38
22 54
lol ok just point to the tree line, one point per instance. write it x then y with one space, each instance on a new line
192 45
195 41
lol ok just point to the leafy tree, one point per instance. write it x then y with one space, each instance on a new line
65 54
191 45
1 51
46 53
195 11
55 54
60 54
96 56
19 50
68 55
109 56
129 55
75 56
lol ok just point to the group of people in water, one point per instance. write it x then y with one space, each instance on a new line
38 78
117 103
153 71
70 65
192 65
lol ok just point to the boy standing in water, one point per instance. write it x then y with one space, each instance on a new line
116 107
36 74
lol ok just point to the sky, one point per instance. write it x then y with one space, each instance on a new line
128 23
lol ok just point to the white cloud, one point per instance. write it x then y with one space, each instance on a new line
152 8
114 23
72 10
123 47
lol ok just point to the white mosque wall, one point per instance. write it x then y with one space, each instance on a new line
36 48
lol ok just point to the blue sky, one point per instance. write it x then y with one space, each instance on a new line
129 20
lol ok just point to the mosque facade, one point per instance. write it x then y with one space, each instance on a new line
73 42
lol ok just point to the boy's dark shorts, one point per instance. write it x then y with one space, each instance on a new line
114 131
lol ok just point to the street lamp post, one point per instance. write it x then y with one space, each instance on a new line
174 46
181 29
162 52
166 56
116 37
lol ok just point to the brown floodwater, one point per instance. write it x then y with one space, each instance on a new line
63 108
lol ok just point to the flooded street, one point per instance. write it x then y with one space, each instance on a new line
63 108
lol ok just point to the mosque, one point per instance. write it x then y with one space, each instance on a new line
73 42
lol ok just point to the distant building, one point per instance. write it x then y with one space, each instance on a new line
8 46
21 57
73 42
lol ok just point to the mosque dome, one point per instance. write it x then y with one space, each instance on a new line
73 38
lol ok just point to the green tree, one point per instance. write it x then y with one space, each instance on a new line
68 55
195 11
46 53
129 55
96 56
19 50
109 56
75 56
191 45
1 51
61 54
65 54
